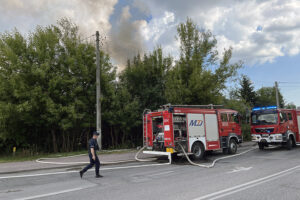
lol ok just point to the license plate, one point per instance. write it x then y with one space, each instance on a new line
265 135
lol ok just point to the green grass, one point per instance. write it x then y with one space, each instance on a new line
19 157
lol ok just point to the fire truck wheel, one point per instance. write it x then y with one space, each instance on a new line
261 146
232 147
198 151
289 143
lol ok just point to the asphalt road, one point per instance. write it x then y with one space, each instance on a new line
269 174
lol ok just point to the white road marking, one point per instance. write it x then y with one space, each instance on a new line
239 169
250 186
68 172
51 194
232 190
33 175
60 163
135 166
72 163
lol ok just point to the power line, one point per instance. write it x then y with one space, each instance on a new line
284 82
259 81
289 82
290 86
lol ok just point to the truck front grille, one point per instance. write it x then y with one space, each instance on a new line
264 130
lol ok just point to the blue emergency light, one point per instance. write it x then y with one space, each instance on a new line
264 108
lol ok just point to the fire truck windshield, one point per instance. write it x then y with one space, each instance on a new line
264 118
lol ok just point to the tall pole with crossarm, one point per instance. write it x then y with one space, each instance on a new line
277 96
98 91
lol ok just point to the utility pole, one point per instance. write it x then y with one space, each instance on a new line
98 92
277 97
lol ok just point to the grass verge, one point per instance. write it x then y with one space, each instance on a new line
20 158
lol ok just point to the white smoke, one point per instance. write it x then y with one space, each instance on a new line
122 41
126 38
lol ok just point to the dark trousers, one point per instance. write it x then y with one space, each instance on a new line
95 162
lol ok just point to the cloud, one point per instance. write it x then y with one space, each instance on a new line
161 31
258 31
90 15
158 26
142 7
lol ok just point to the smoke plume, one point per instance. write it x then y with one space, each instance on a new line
122 40
126 38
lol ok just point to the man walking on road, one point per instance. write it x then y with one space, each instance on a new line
94 160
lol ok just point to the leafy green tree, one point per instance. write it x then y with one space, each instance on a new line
14 66
246 92
200 75
145 78
290 106
141 85
47 87
266 96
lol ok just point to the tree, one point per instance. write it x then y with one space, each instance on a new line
246 92
266 96
47 87
244 110
141 85
199 76
145 78
290 106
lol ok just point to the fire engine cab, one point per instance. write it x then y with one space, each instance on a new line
196 128
273 126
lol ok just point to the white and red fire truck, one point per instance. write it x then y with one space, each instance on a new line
273 126
196 128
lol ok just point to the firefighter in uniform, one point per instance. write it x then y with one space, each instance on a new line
94 160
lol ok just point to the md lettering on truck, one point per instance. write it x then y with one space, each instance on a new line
196 123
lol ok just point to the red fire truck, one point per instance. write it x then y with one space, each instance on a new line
273 126
196 128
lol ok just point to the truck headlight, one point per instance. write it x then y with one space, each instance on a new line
253 137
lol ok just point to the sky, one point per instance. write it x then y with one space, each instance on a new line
264 34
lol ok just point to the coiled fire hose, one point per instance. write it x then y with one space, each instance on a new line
143 160
190 161
214 162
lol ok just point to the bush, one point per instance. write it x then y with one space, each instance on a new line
246 131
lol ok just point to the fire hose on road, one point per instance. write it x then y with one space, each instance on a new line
190 161
216 160
49 160
143 160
